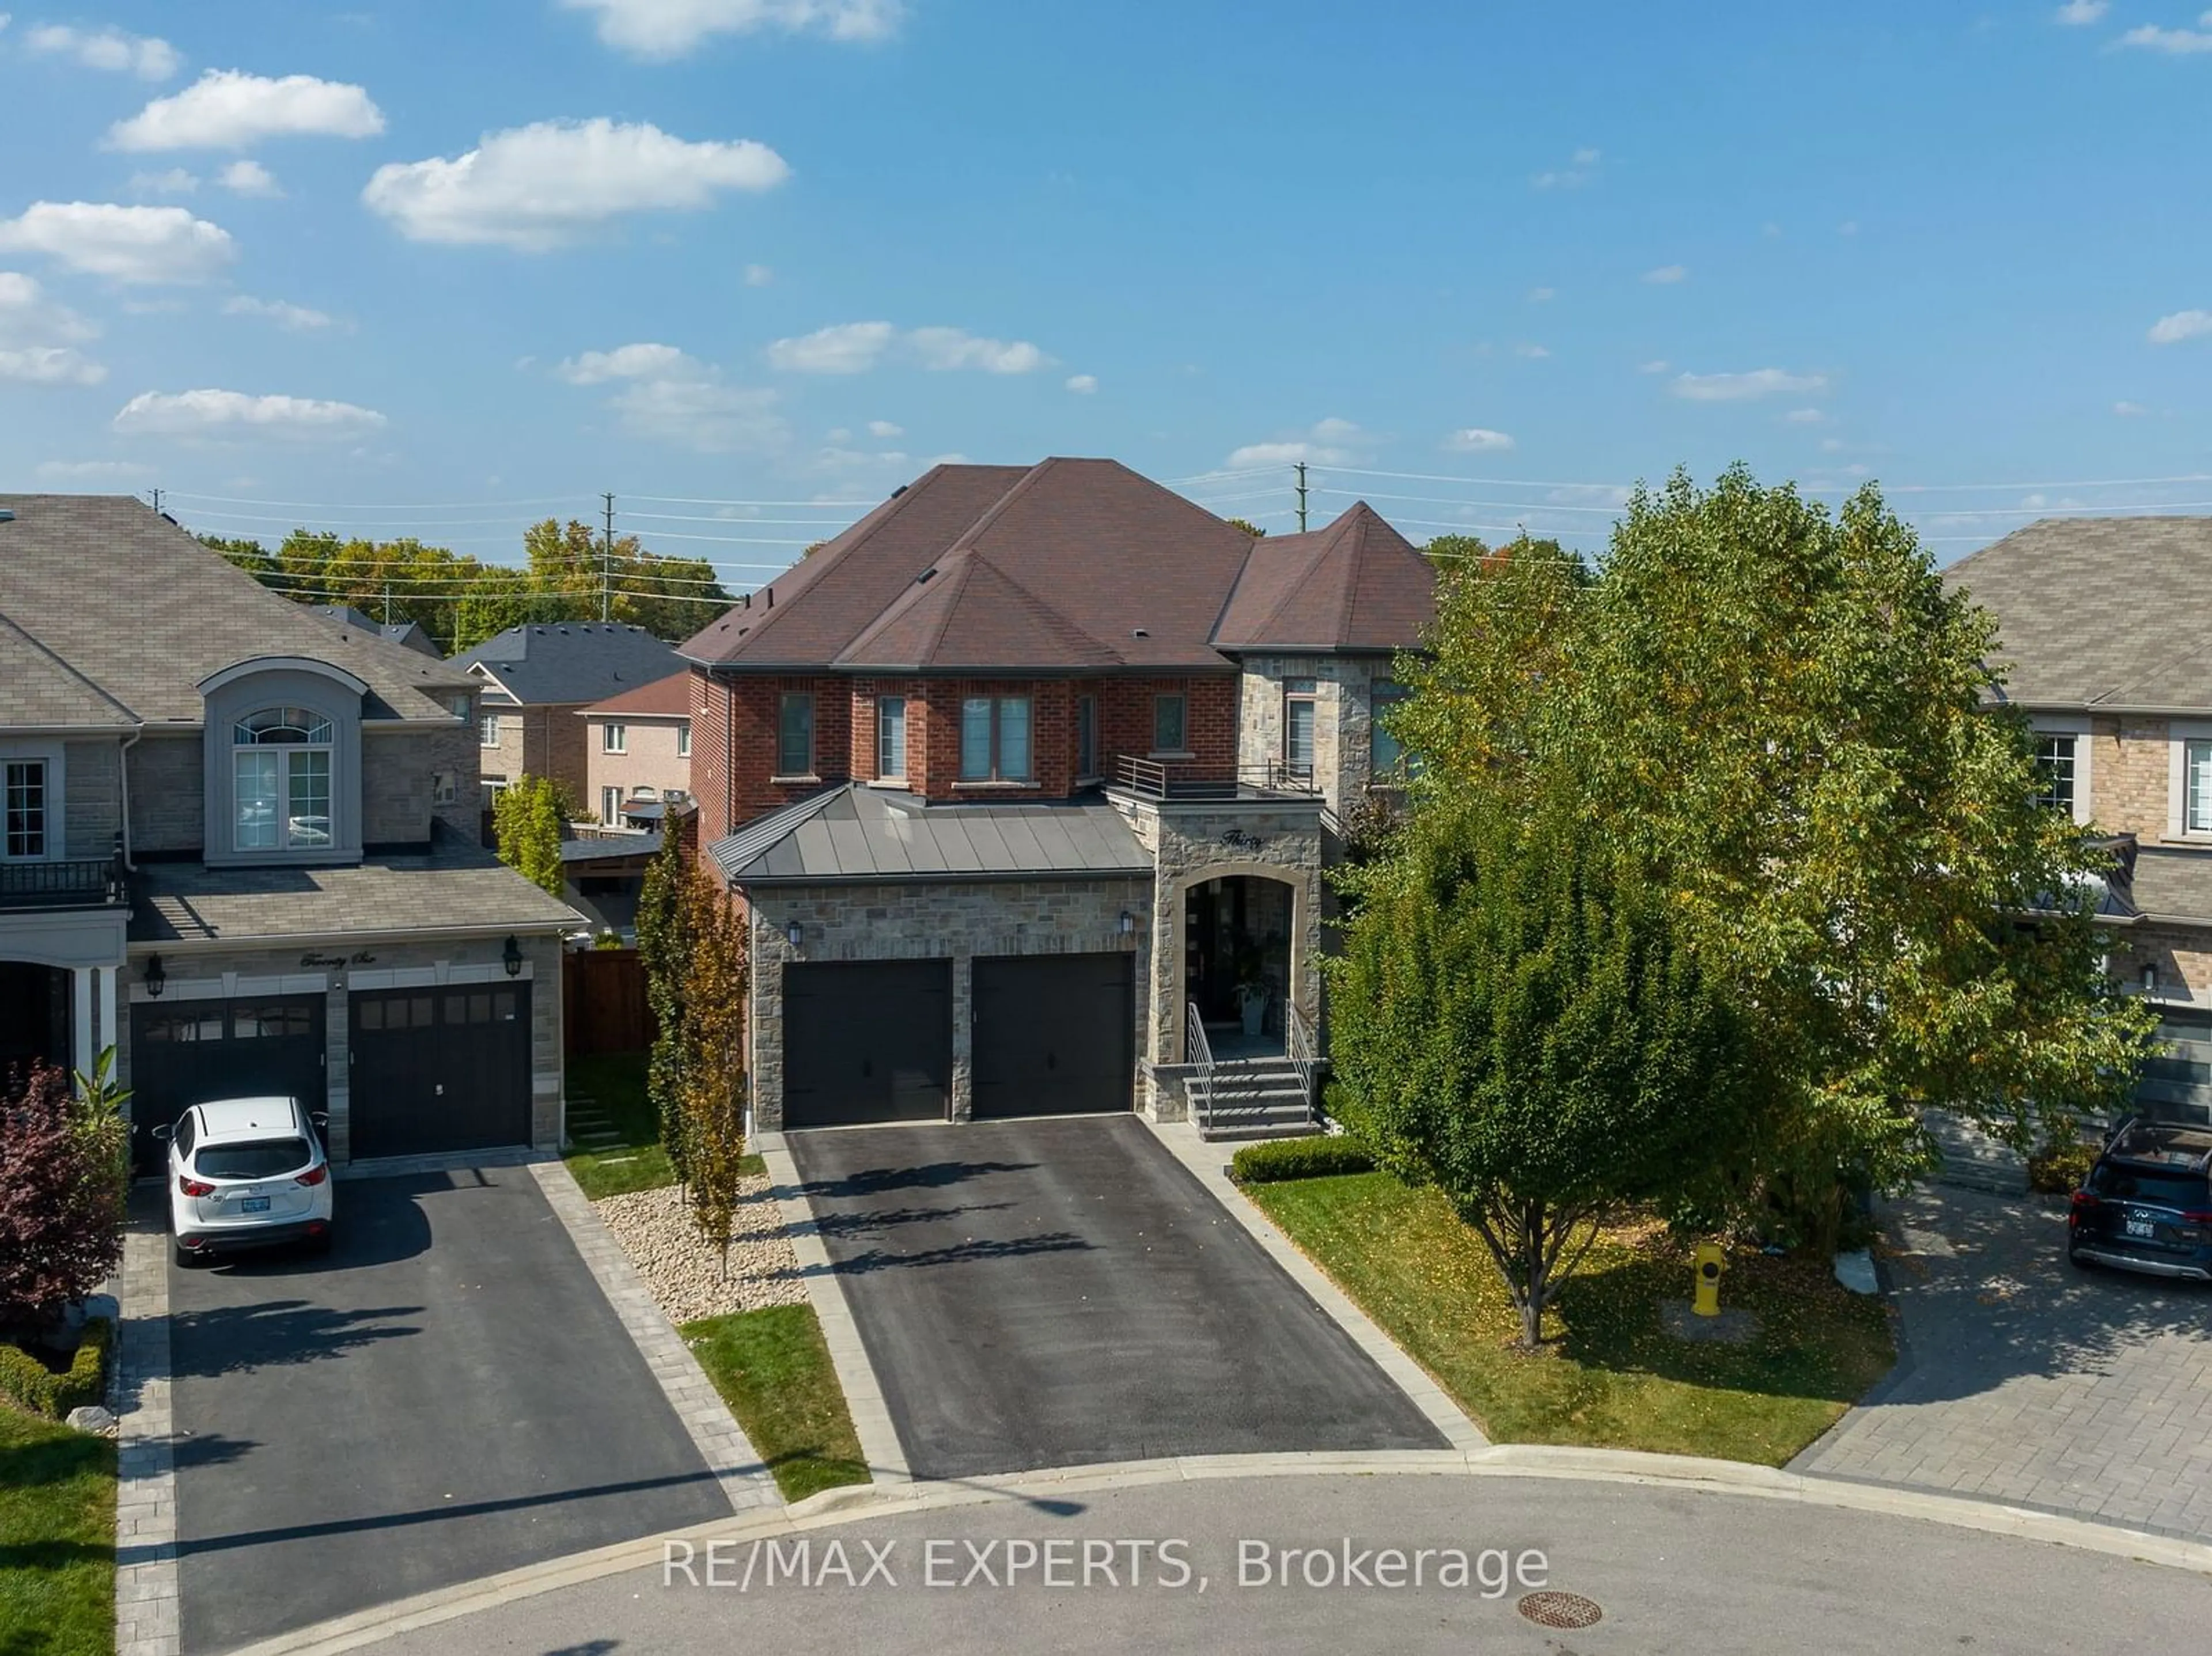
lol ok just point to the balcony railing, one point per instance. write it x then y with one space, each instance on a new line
1155 779
88 884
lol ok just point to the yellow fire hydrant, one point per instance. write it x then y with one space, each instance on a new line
1709 1261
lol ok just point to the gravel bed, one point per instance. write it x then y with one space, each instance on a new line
683 1270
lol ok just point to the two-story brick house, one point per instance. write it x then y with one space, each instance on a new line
2120 696
240 846
1027 782
536 680
637 752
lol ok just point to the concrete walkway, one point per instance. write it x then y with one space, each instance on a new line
2024 1381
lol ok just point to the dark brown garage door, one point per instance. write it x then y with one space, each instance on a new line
187 1052
1055 1034
866 1042
437 1070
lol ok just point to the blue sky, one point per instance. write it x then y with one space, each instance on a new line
445 267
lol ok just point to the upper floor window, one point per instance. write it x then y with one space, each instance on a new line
1171 724
994 738
459 703
280 776
1386 754
1301 707
890 738
614 738
683 738
487 731
23 781
1086 735
2196 787
2054 765
610 807
794 735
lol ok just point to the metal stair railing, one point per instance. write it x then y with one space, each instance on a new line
1198 1052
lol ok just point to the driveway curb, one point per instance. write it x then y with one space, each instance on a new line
148 1614
1714 1477
825 1290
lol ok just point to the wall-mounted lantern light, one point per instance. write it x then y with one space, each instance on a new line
2150 979
794 934
512 955
1129 922
156 979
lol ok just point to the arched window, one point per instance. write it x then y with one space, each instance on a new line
280 787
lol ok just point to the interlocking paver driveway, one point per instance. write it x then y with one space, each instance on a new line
2028 1382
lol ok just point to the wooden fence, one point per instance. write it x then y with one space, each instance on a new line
602 1004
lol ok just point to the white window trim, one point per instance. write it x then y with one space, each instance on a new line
2180 733
489 719
682 738
2078 726
614 738
57 803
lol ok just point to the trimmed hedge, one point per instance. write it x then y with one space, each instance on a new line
1277 1159
29 1383
2060 1169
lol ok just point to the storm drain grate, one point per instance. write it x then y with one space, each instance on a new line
1560 1610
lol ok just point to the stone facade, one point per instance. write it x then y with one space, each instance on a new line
2129 770
168 796
1344 693
944 921
92 800
399 963
2182 955
402 773
544 739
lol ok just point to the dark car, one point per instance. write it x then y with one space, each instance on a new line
2147 1205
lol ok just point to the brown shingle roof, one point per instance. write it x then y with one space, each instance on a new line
40 691
665 698
1356 584
135 605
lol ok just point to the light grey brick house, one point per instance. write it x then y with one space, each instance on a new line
1027 784
238 843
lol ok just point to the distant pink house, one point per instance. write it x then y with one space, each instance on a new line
637 751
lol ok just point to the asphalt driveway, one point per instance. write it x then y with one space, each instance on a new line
446 1395
1048 1293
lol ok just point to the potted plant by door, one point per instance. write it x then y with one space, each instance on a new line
1252 1003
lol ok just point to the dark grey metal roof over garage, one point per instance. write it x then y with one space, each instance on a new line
857 833
2100 613
579 661
2173 884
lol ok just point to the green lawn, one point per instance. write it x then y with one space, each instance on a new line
57 1539
1610 1375
773 1368
615 1082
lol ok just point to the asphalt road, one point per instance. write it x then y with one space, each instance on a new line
1673 1573
447 1396
1050 1293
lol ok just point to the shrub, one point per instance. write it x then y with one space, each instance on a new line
1278 1159
62 1196
2060 1169
28 1384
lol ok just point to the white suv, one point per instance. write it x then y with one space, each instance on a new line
247 1173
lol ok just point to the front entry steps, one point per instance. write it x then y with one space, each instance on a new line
590 1127
1254 1098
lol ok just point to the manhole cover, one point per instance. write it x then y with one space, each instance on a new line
1560 1610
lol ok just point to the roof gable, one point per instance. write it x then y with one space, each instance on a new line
1357 584
571 661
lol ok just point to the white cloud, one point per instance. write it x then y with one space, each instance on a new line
668 28
50 365
1534 352
857 347
2182 325
885 429
1656 365
26 316
238 414
1475 440
2078 12
535 187
1083 385
1542 295
2173 42
1580 169
142 55
758 276
955 348
229 109
129 243
1666 275
2130 410
248 177
1330 442
668 396
293 318
92 471
843 348
1804 417
174 182
1743 387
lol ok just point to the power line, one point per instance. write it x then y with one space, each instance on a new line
680 500
1448 500
326 506
1221 476
386 523
692 518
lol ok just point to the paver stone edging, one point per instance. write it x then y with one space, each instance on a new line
147 1617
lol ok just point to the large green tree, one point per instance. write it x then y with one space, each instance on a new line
1520 1022
1783 716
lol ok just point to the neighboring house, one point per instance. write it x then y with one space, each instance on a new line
240 846
637 751
537 677
1026 783
2121 701
408 634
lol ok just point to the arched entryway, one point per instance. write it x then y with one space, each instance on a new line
1239 959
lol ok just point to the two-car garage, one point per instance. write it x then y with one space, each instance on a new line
872 1041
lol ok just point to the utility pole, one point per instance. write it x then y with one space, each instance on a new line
387 603
157 499
607 558
1302 496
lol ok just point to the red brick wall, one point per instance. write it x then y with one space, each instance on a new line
734 745
1125 721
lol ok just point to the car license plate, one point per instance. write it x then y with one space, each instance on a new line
2142 1228
260 1204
